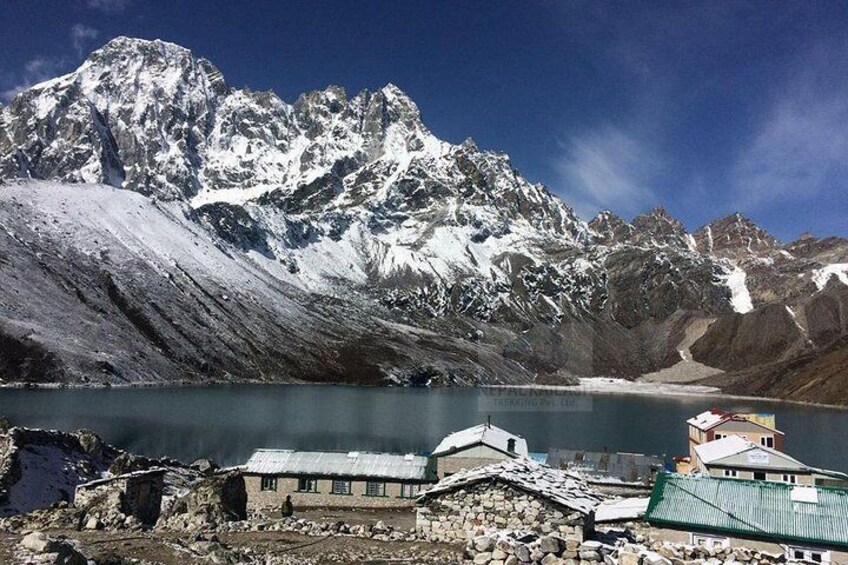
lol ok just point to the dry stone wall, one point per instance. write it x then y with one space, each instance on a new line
486 507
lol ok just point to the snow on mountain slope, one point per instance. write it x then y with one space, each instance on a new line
326 221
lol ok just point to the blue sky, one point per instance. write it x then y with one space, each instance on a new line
706 108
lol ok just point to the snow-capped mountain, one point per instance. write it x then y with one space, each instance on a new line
350 200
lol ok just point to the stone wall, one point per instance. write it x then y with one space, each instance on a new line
136 496
269 501
484 507
511 548
446 466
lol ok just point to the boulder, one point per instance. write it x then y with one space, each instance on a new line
522 552
38 542
484 543
210 502
90 442
205 466
482 558
551 544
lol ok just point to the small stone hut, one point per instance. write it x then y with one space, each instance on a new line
137 494
517 494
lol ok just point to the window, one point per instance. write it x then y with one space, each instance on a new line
767 441
808 554
510 445
791 479
759 476
373 488
720 436
268 483
341 487
409 490
307 485
733 473
710 542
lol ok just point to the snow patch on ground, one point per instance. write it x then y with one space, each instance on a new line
48 474
740 298
821 276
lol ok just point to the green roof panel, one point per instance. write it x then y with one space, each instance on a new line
758 509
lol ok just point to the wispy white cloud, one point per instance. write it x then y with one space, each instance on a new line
607 168
82 34
35 70
800 147
109 6
798 152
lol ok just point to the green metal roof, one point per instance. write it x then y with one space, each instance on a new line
754 509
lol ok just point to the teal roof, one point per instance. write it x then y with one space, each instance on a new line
753 509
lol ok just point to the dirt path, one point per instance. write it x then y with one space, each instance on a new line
170 548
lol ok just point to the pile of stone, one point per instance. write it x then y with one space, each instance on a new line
210 503
37 548
675 553
516 495
511 548
378 531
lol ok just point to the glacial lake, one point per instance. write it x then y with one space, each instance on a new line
226 423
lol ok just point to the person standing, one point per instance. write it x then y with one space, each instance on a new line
288 508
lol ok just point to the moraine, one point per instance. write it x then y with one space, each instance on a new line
228 422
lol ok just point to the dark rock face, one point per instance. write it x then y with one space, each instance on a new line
337 239
763 336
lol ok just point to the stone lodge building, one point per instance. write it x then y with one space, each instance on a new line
475 447
333 479
737 458
717 424
515 494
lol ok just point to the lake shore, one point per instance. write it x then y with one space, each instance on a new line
589 385
604 385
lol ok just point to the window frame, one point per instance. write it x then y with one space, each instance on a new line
347 482
380 486
268 483
766 440
711 541
414 490
808 552
789 478
731 473
309 482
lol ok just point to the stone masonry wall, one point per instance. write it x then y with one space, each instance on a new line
270 501
483 508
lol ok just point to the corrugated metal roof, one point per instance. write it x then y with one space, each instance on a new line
328 463
559 487
621 510
711 418
756 509
485 434
627 467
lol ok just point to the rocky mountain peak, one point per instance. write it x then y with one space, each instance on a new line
732 235
661 228
611 228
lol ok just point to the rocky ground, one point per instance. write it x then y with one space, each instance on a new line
268 548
